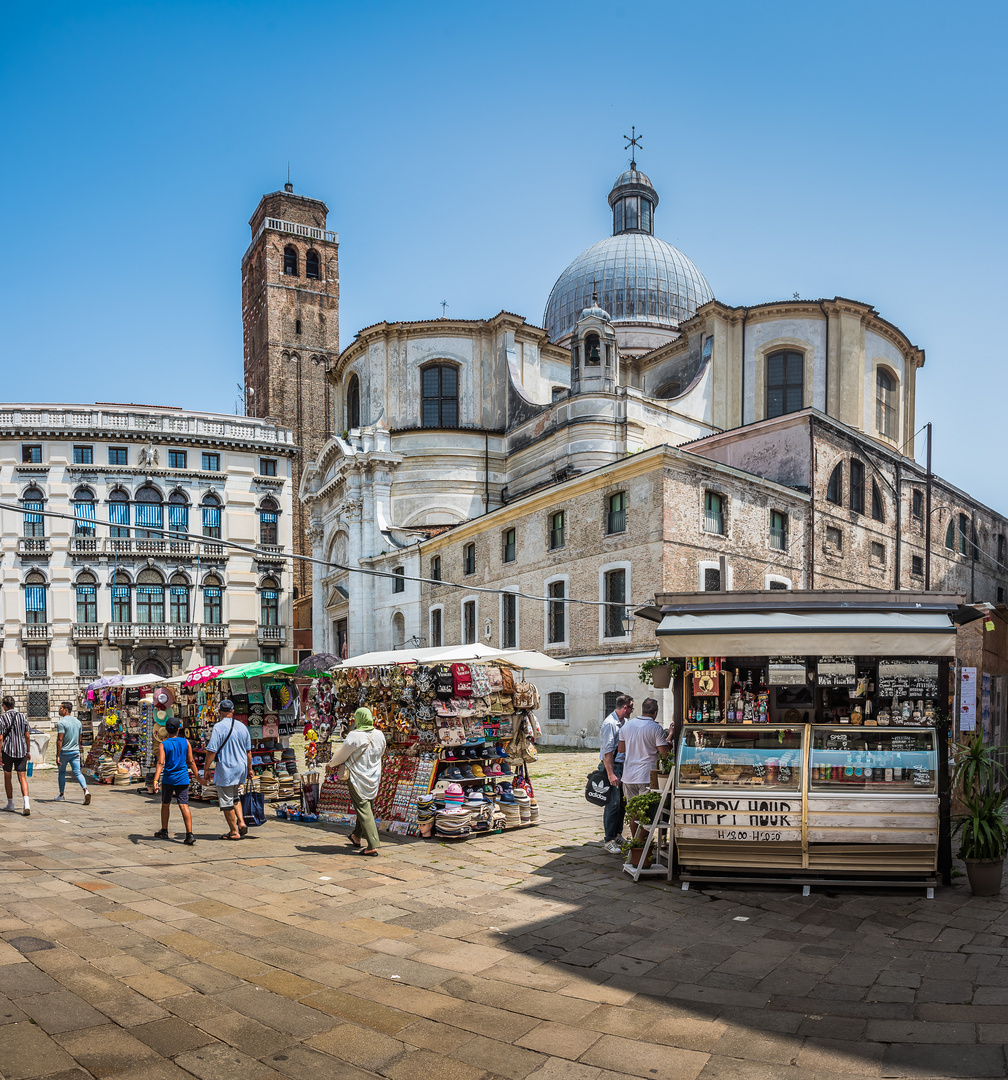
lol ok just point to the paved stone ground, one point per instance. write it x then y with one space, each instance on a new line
525 955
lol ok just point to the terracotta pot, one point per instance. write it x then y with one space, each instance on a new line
636 854
984 875
661 676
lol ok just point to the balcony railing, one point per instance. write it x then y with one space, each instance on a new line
119 545
85 545
778 539
151 547
212 551
714 522
272 634
213 632
37 547
140 631
269 553
88 631
35 632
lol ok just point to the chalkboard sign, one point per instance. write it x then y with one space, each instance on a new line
836 671
908 678
838 740
785 774
706 768
759 769
922 777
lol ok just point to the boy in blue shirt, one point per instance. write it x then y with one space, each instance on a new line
175 760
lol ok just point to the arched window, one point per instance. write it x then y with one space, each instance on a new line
834 489
591 348
877 509
122 605
33 502
785 372
178 589
269 603
211 507
885 403
269 512
291 261
178 516
87 598
84 512
119 514
149 513
150 597
439 396
353 403
311 264
212 600
35 598
398 630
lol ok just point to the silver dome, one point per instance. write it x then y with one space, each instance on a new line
637 278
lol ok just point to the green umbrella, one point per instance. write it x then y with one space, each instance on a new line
255 668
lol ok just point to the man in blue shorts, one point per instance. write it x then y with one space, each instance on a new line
175 761
229 755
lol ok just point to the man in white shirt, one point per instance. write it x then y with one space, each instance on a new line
641 740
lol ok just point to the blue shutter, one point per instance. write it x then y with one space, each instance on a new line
35 598
180 590
211 517
86 590
178 518
270 594
120 592
84 518
33 513
268 517
148 516
211 590
119 513
150 590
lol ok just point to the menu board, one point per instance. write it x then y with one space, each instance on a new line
967 699
908 679
836 671
904 742
786 671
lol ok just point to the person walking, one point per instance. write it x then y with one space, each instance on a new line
612 762
68 733
14 751
362 752
229 755
641 740
175 761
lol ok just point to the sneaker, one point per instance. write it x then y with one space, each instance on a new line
87 797
59 798
621 839
162 834
10 807
26 812
189 839
614 847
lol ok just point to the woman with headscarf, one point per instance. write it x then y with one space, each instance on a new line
361 752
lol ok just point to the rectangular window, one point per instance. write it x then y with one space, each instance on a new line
35 604
270 654
962 533
1000 594
38 661
469 622
211 522
785 374
557 537
557 706
211 462
34 522
878 552
616 518
399 579
83 455
916 566
267 466
557 613
439 397
510 546
435 628
712 579
118 455
857 486
87 660
778 530
269 607
213 655
713 513
212 605
435 568
834 538
87 604
469 559
268 528
615 599
177 459
917 504
179 604
31 455
150 604
509 635
609 701
122 604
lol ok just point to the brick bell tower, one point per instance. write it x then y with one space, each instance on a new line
290 318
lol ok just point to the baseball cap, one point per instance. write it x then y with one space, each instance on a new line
172 725
227 705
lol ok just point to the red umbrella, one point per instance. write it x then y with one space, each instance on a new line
202 675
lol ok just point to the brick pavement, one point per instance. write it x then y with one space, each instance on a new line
525 955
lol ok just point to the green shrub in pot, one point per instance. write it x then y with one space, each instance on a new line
982 831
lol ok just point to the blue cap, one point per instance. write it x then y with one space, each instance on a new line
227 705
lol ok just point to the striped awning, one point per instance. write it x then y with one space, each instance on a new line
35 598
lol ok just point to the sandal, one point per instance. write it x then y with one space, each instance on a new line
242 830
162 834
370 851
356 843
228 836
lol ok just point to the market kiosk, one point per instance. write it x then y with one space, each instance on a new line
814 743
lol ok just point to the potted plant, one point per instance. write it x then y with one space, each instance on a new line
632 851
657 671
983 835
640 810
666 763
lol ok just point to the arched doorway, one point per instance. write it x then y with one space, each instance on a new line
153 666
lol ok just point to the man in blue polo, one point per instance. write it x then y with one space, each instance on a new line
229 755
612 760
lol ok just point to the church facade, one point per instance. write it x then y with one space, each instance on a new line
499 482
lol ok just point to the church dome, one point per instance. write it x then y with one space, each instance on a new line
639 279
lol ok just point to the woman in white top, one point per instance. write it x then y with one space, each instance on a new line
362 752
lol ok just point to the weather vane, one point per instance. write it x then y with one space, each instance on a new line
633 140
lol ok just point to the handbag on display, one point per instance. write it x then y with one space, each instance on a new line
462 681
507 681
526 696
494 678
444 683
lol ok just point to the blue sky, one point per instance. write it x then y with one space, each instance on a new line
465 152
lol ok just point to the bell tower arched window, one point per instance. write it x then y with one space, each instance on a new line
291 261
311 265
439 396
353 403
591 348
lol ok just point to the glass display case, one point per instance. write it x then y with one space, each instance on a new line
873 761
733 757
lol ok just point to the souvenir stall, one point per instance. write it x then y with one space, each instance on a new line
460 730
123 747
814 738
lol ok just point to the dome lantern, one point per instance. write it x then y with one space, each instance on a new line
633 200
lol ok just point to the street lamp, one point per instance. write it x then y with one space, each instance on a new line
628 621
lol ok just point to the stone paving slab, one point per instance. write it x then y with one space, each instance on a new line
526 955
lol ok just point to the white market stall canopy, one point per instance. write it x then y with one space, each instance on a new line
525 659
805 624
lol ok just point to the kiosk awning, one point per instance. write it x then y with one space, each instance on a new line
820 631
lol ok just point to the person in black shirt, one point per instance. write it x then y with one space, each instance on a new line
14 751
